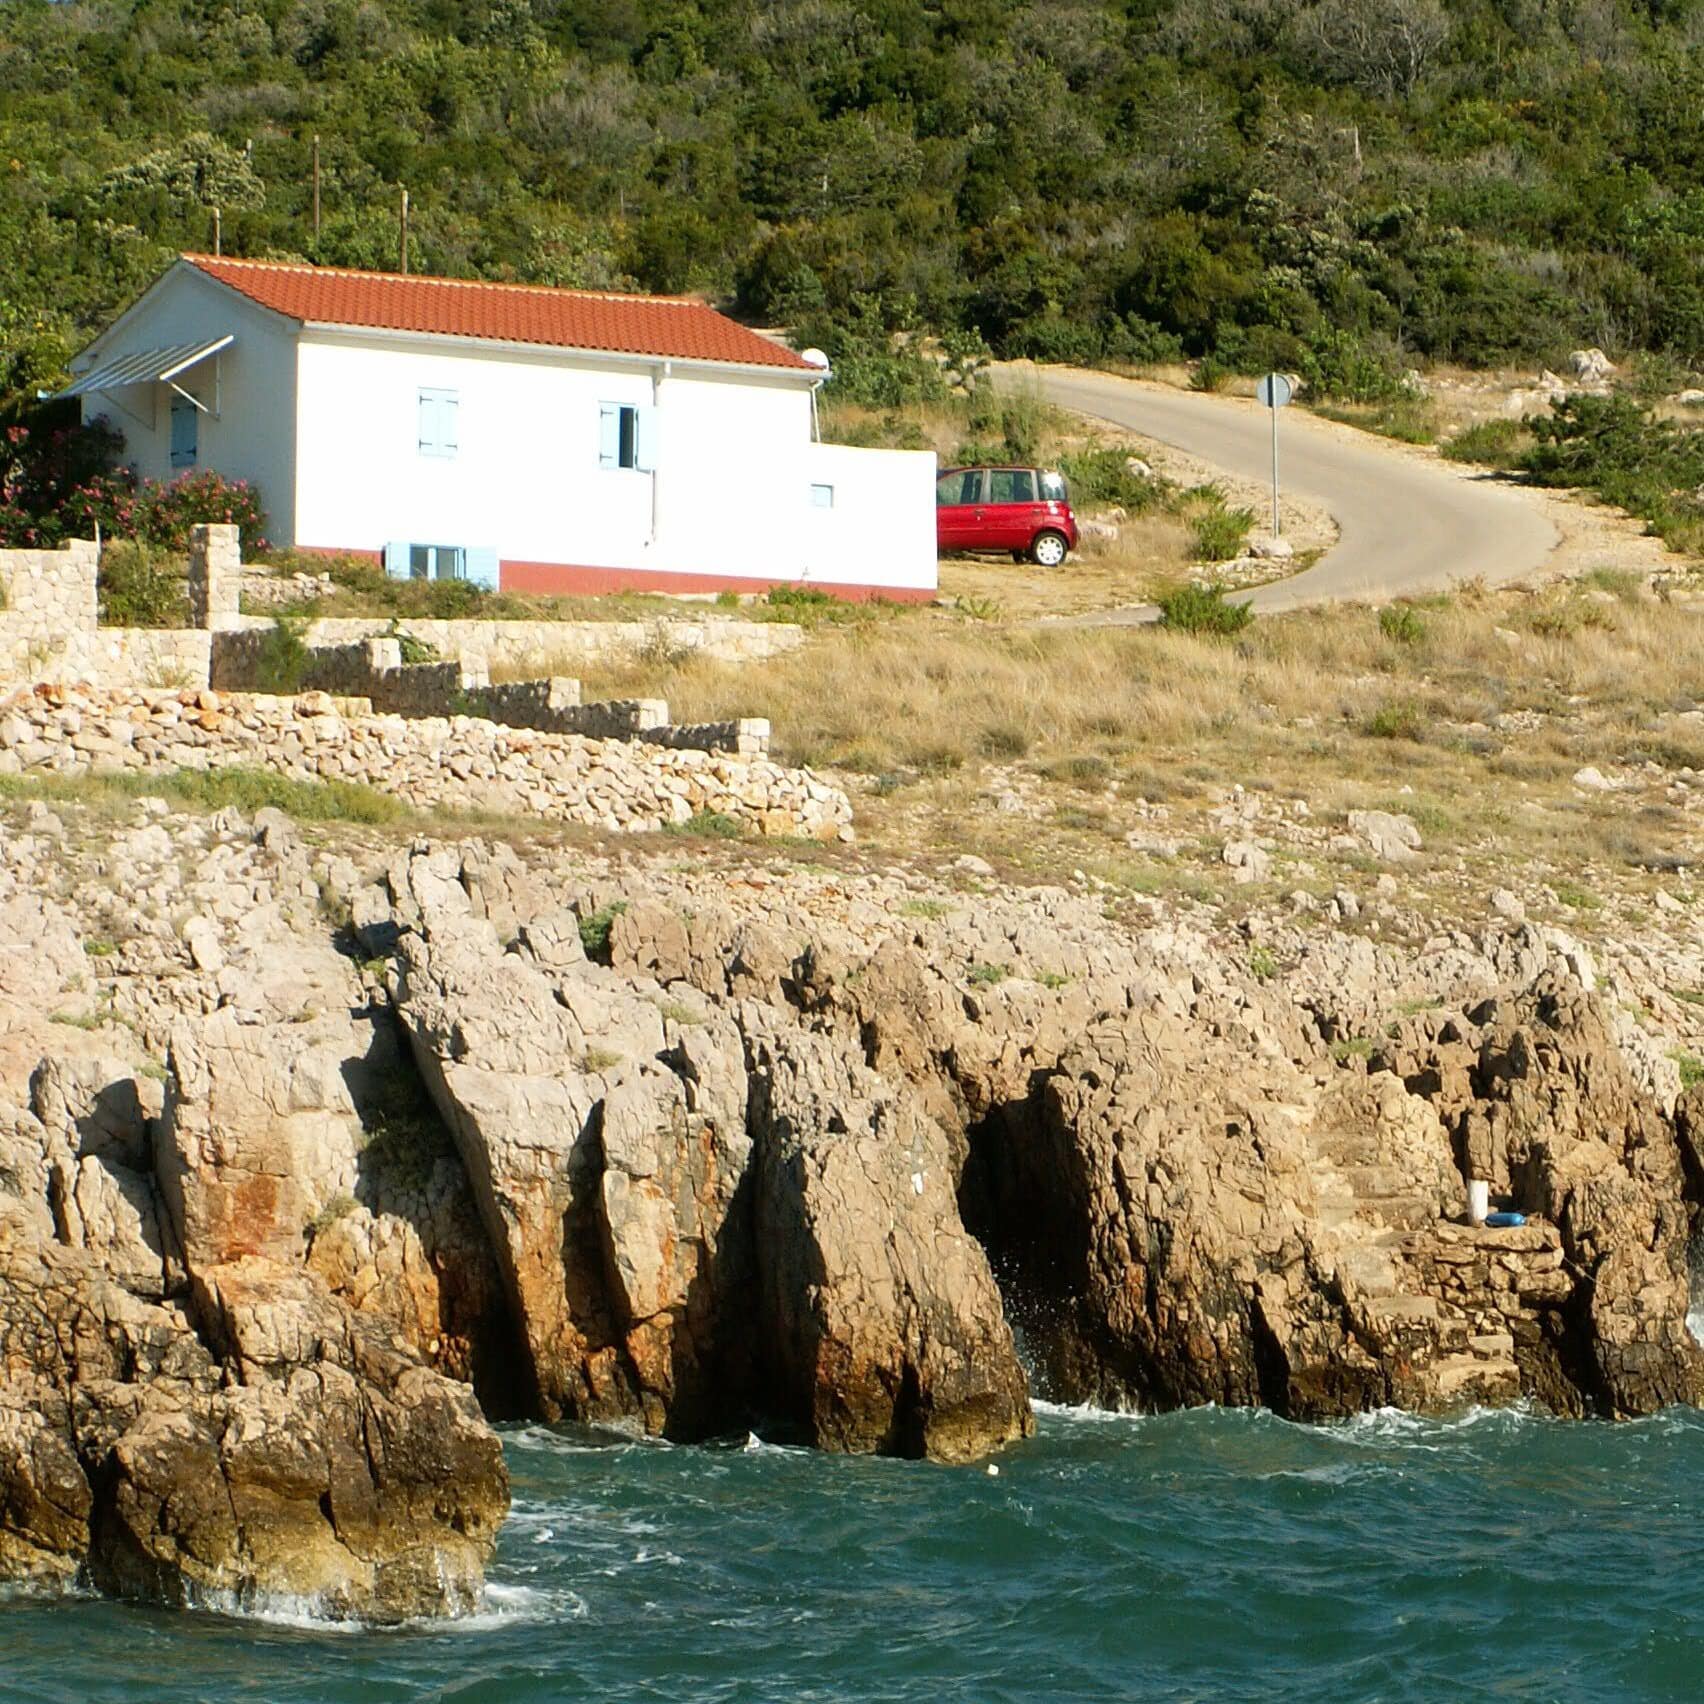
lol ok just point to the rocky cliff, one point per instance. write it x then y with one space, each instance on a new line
315 1158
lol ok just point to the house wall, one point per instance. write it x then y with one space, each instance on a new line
252 434
728 505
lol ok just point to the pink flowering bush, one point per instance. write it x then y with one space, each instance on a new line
165 513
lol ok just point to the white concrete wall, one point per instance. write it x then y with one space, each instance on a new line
881 530
252 436
730 498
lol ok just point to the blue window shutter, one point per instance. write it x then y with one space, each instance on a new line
646 459
437 422
396 561
481 568
609 434
186 428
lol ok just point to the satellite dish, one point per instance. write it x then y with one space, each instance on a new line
814 358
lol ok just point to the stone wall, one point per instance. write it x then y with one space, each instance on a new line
215 576
373 669
49 597
553 646
439 763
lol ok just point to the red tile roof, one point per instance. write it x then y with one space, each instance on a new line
510 313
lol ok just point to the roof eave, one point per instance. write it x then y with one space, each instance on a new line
621 357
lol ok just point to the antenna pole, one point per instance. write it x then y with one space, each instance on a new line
316 191
405 233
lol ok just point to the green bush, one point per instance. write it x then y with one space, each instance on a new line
141 586
1402 719
282 664
1203 610
1100 476
1217 531
1402 624
1487 443
594 929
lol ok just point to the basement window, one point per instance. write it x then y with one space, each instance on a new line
437 562
822 496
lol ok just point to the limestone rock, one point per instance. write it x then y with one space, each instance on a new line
880 1313
1386 835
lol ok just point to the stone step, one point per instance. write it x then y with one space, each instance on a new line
1376 1179
1402 1212
1452 1374
1403 1307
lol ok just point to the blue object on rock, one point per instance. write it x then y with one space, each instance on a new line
1504 1221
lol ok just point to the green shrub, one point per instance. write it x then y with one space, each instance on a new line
709 825
1402 624
1203 610
140 586
1210 374
282 663
1100 476
1402 719
1217 532
1487 443
595 926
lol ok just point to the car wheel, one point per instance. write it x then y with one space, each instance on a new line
1047 549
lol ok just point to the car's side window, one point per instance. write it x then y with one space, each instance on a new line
1011 485
964 485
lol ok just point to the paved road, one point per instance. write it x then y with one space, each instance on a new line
1406 525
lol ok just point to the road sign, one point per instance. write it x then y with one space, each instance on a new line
1275 391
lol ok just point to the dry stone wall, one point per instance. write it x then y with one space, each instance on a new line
48 596
429 762
373 669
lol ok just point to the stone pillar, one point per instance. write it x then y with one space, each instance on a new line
215 575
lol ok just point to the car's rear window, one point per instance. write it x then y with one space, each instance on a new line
959 486
1053 488
1011 485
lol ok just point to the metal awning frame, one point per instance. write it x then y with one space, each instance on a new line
176 361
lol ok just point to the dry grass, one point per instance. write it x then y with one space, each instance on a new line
1324 706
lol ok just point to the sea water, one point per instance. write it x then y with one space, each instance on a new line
1204 1555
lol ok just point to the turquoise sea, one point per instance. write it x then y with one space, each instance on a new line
1204 1555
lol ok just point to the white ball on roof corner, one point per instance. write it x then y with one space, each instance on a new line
814 358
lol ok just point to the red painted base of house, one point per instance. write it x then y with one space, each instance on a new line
566 579
561 579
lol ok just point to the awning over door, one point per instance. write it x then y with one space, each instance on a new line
148 366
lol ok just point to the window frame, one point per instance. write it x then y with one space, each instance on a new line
822 494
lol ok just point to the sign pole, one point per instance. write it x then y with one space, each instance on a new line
1274 413
1275 391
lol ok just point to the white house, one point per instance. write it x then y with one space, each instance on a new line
535 439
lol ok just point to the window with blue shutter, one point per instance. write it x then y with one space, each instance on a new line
438 422
477 565
627 436
186 431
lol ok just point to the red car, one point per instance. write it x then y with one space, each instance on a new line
1021 509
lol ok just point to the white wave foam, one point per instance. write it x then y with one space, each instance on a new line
1085 1412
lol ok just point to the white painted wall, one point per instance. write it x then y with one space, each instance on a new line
730 498
252 436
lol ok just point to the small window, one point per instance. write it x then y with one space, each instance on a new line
627 436
186 431
822 496
963 485
1011 485
438 409
1053 488
437 562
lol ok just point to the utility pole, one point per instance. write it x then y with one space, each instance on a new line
218 233
405 233
316 193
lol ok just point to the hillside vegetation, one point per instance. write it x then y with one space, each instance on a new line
1338 186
